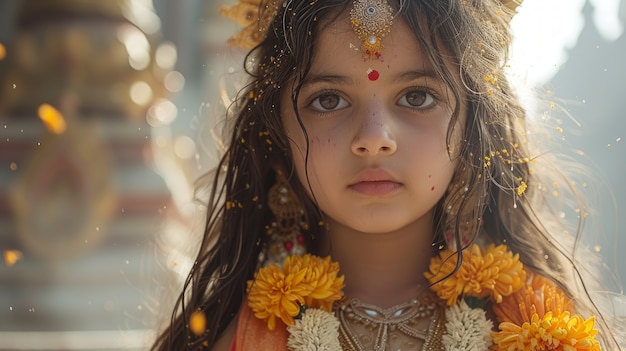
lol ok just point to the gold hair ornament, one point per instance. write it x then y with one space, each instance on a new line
256 16
371 21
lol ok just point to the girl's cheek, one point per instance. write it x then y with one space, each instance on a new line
323 144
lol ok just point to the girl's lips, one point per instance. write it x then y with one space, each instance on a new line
375 188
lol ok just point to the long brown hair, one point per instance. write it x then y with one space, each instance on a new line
486 195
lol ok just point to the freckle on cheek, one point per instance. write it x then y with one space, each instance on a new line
433 188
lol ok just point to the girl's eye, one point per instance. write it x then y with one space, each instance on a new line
417 99
328 102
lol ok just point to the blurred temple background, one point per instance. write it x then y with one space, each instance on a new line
101 107
107 116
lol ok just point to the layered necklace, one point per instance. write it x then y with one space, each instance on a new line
420 321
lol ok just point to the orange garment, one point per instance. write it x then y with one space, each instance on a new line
252 334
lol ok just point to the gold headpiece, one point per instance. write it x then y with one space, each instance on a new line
371 20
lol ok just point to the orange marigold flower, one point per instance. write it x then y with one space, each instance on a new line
539 292
279 292
495 272
538 318
322 277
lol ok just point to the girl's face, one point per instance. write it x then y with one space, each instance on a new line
378 158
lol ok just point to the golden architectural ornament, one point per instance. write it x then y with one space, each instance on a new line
65 195
103 52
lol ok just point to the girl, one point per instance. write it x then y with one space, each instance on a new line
378 192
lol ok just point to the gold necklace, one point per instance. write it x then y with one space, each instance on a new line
401 327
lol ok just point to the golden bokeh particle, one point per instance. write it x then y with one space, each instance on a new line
52 119
12 256
197 323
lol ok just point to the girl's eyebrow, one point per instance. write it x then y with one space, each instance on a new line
328 78
416 74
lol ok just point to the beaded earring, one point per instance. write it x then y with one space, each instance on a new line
285 231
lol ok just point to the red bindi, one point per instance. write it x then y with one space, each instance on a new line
373 74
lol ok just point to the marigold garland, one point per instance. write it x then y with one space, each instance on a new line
305 280
534 317
495 272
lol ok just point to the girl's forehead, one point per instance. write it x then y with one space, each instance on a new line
339 46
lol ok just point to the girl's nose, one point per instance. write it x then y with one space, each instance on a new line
374 135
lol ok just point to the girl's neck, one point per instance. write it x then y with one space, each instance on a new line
384 269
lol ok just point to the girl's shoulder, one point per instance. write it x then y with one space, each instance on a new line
247 332
227 339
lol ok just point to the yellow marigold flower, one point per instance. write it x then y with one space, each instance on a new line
279 292
496 272
322 278
538 318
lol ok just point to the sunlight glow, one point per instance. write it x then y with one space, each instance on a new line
545 30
